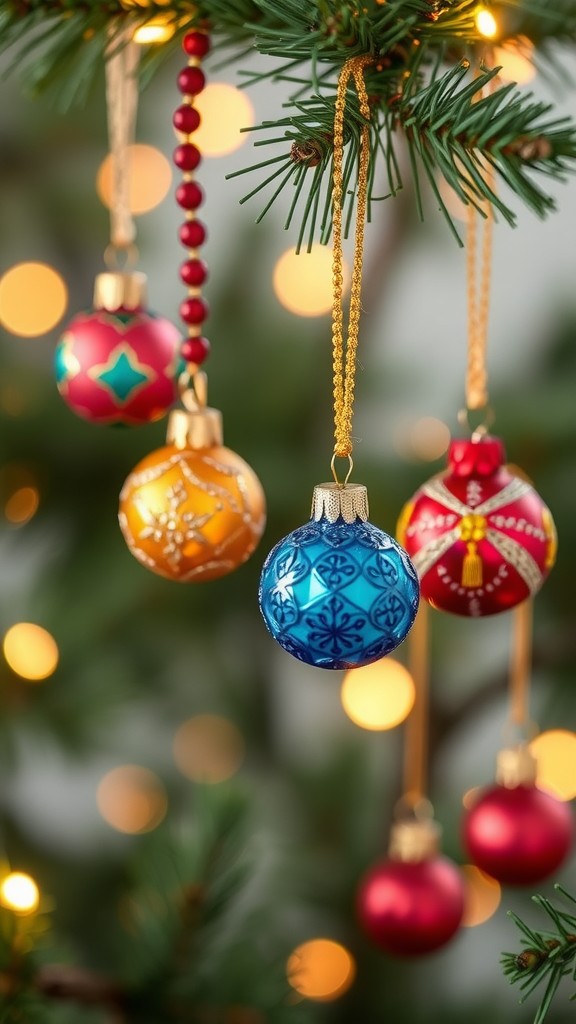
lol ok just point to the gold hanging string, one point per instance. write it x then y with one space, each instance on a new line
344 362
520 665
416 728
122 107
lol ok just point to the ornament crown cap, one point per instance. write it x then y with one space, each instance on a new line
480 456
516 766
413 841
333 501
120 290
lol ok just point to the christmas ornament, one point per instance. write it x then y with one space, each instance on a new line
516 832
480 536
413 902
120 363
338 592
193 510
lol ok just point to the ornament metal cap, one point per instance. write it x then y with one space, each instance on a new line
120 290
414 841
516 766
196 425
333 501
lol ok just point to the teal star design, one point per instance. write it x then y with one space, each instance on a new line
122 375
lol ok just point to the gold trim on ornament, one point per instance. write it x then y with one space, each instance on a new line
340 501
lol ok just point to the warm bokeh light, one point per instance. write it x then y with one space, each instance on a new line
482 896
157 30
132 799
379 695
19 892
555 753
486 23
22 505
30 651
321 969
515 58
208 748
303 284
150 178
224 111
429 438
33 299
470 797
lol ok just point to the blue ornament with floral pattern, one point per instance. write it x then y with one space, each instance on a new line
338 592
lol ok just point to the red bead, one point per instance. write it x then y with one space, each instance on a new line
191 81
519 836
187 157
196 44
411 908
193 310
194 273
192 234
195 350
186 119
189 195
481 538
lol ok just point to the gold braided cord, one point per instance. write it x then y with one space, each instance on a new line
344 361
520 662
416 728
122 107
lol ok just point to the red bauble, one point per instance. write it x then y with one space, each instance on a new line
411 908
119 366
519 836
479 535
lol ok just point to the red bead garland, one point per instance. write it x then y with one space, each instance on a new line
190 196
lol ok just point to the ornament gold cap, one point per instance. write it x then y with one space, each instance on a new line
120 290
516 766
413 841
333 501
196 425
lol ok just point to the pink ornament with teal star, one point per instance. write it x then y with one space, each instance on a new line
119 367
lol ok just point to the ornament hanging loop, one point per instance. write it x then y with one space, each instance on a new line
121 257
481 429
334 471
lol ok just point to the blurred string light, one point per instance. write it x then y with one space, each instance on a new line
482 895
33 299
379 695
19 892
30 651
224 111
321 969
157 30
132 799
471 796
555 753
149 178
486 23
208 748
303 283
22 505
425 439
515 59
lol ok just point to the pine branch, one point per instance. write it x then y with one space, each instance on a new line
548 956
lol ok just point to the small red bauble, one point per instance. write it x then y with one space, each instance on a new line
411 908
192 234
191 81
479 535
187 157
193 310
189 195
186 119
195 350
196 44
519 836
194 273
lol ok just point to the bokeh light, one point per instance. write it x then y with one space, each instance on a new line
470 797
149 178
379 695
482 896
486 23
33 299
514 57
132 799
555 753
19 892
22 505
30 651
208 748
303 283
157 30
321 969
429 438
224 111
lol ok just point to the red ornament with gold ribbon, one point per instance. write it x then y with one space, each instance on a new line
480 536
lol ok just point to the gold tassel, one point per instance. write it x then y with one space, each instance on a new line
472 567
